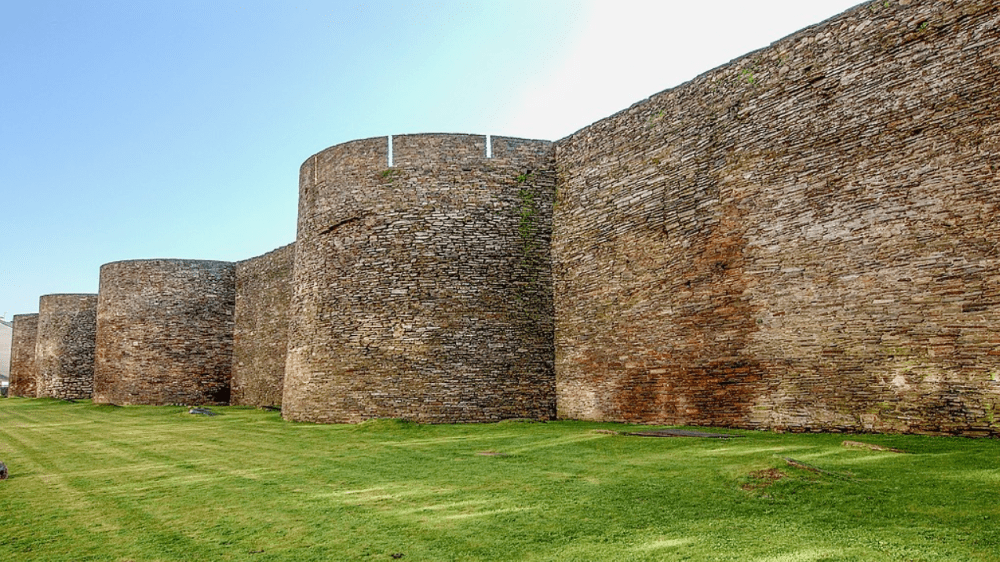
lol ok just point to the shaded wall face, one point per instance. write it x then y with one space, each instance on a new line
165 332
23 375
805 238
64 347
423 291
260 336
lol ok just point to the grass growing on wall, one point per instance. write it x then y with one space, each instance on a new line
156 483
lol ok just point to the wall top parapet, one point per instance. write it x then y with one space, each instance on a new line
172 261
423 148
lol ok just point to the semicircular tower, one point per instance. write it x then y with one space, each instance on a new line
23 374
164 332
422 289
64 346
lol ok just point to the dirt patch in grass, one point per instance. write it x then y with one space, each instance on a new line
759 479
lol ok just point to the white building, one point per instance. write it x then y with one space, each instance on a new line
6 331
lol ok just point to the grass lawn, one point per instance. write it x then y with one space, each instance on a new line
156 483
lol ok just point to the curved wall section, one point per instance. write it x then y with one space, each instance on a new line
805 238
164 332
23 375
423 291
260 337
64 348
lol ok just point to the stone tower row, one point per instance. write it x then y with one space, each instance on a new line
422 289
52 352
159 332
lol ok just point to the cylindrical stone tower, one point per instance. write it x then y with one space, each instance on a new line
23 375
164 332
64 349
422 289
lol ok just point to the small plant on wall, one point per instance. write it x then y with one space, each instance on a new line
389 174
653 119
526 226
529 296
749 74
878 4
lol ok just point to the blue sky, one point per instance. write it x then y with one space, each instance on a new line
133 129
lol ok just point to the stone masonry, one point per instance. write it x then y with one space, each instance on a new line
423 289
807 238
165 332
804 239
64 347
23 375
260 336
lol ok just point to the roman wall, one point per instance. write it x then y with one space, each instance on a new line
807 238
64 346
23 375
165 332
422 290
260 333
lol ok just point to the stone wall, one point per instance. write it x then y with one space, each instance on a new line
423 290
64 346
806 238
260 335
165 332
23 375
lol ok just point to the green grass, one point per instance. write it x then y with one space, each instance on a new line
156 483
